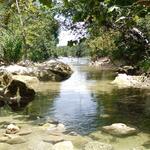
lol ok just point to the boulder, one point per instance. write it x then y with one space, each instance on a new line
15 91
46 71
53 71
97 146
66 145
31 82
119 129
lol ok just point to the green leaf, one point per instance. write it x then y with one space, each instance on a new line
46 2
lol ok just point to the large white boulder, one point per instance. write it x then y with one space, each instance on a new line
46 71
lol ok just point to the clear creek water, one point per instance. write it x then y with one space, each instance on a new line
88 100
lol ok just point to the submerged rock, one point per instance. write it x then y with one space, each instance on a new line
97 146
119 129
12 139
100 136
66 145
147 144
53 139
16 140
24 132
41 146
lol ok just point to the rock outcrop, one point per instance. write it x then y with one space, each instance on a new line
126 81
46 71
15 92
119 129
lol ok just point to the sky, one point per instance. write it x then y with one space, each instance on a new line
66 35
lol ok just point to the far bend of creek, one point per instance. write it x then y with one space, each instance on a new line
88 100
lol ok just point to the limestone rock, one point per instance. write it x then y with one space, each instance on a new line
100 136
53 139
16 140
41 146
126 81
119 129
66 145
4 139
48 126
31 82
46 71
12 129
18 94
60 127
97 146
24 132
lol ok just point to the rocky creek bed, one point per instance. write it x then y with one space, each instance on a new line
20 132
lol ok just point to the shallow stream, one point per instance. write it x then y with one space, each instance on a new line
87 101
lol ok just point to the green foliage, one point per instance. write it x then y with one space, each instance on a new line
34 24
11 48
78 50
104 44
145 65
118 29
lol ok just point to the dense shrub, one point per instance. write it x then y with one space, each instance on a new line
11 48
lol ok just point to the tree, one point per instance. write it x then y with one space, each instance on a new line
34 24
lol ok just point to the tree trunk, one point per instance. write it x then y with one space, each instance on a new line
23 31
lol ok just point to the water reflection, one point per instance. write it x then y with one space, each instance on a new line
75 106
129 106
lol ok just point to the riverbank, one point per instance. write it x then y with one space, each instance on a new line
127 76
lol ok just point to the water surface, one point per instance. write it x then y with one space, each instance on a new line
88 100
